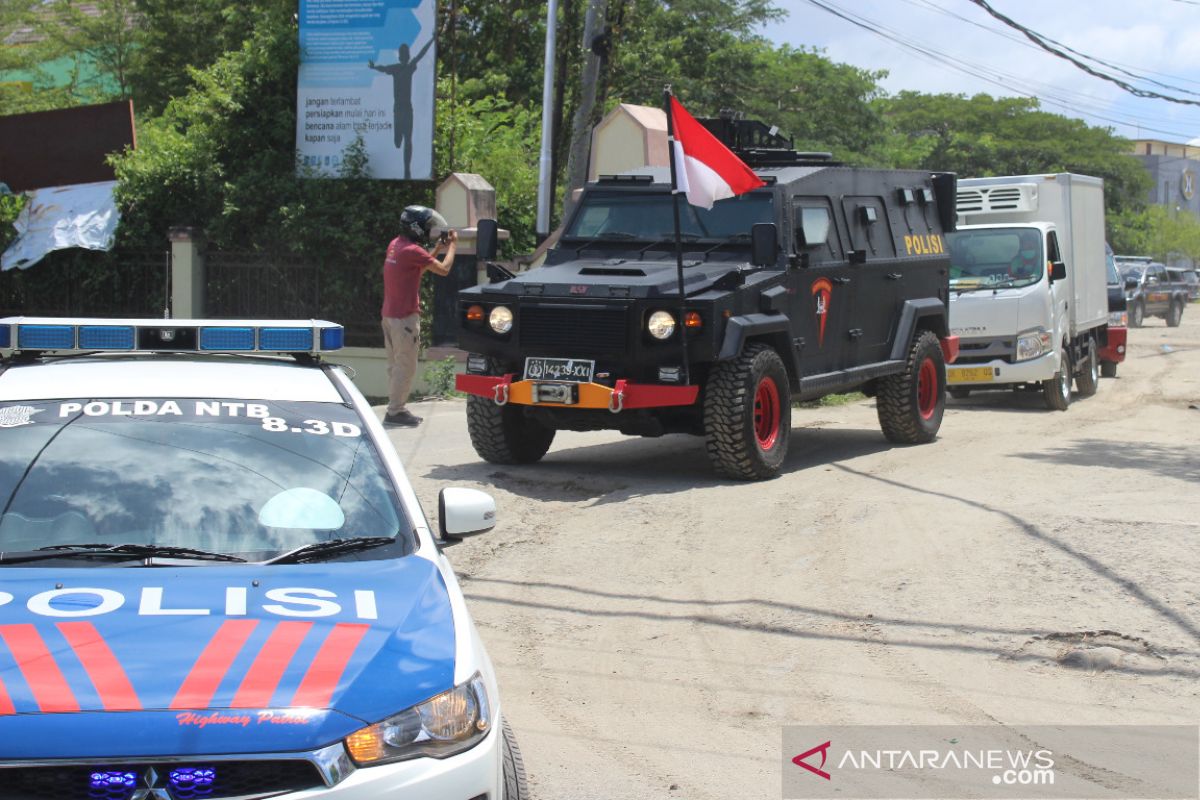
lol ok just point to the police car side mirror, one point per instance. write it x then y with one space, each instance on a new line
1058 271
764 244
486 235
463 512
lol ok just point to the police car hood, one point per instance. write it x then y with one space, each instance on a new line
130 662
633 277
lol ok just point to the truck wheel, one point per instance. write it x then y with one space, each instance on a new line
1056 391
748 414
503 434
910 405
1175 314
1108 369
1137 315
515 786
1088 379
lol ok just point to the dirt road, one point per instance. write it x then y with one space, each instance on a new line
654 627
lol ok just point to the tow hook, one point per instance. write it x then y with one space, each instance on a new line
500 394
616 401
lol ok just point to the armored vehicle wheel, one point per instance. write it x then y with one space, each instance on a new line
1175 314
748 414
1108 369
503 434
1088 379
1137 315
910 405
959 394
515 787
1056 391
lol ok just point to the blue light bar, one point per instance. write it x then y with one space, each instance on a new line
226 339
106 337
46 337
5 336
289 340
333 338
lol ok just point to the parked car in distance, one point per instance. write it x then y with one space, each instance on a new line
1149 292
1187 276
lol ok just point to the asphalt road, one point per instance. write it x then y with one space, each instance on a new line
654 627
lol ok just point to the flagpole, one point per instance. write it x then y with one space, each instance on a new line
683 345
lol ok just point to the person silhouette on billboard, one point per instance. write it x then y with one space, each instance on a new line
402 111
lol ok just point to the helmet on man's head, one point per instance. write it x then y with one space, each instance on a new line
422 224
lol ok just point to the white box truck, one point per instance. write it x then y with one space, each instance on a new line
1028 295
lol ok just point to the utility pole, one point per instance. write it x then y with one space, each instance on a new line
581 126
544 160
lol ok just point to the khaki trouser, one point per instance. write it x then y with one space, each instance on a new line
402 338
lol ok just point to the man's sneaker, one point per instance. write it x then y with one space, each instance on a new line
405 419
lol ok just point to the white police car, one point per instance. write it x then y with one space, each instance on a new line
216 581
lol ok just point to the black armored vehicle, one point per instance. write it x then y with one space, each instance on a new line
827 279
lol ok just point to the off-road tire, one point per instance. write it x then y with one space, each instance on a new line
910 405
1137 315
503 434
515 786
748 414
1175 314
1056 391
1108 369
959 394
1088 379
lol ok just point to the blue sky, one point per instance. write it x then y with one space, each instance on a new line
1158 39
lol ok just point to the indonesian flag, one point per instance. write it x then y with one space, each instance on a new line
705 169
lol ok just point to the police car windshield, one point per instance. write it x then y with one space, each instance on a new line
249 479
995 259
647 217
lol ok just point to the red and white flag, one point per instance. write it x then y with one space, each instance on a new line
705 169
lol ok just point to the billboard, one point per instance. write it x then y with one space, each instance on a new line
367 67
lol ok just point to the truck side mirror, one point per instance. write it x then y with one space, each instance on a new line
486 235
764 244
1058 270
1131 283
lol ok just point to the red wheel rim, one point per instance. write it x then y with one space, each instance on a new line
766 413
927 389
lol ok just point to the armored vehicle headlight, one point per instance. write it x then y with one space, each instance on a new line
501 319
661 325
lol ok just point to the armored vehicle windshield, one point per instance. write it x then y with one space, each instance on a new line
647 216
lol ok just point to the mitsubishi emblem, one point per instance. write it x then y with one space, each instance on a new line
154 787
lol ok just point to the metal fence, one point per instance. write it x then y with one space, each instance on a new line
243 285
119 283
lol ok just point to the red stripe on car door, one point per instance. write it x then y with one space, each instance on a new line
112 685
316 689
6 704
37 665
267 670
213 664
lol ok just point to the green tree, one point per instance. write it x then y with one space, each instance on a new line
100 35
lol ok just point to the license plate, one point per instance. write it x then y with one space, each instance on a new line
969 375
571 370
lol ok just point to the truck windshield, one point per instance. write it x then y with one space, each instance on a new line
1001 258
648 217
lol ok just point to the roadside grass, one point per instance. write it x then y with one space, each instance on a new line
831 400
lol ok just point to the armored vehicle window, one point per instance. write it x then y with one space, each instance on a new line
649 217
815 231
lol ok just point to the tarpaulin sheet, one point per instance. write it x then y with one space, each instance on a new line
84 215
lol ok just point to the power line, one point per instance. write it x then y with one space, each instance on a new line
1047 45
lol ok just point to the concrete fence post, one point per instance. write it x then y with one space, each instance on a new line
187 272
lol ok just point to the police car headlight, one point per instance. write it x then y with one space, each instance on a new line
661 325
501 319
1032 345
442 726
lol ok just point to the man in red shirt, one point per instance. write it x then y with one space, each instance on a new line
407 260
